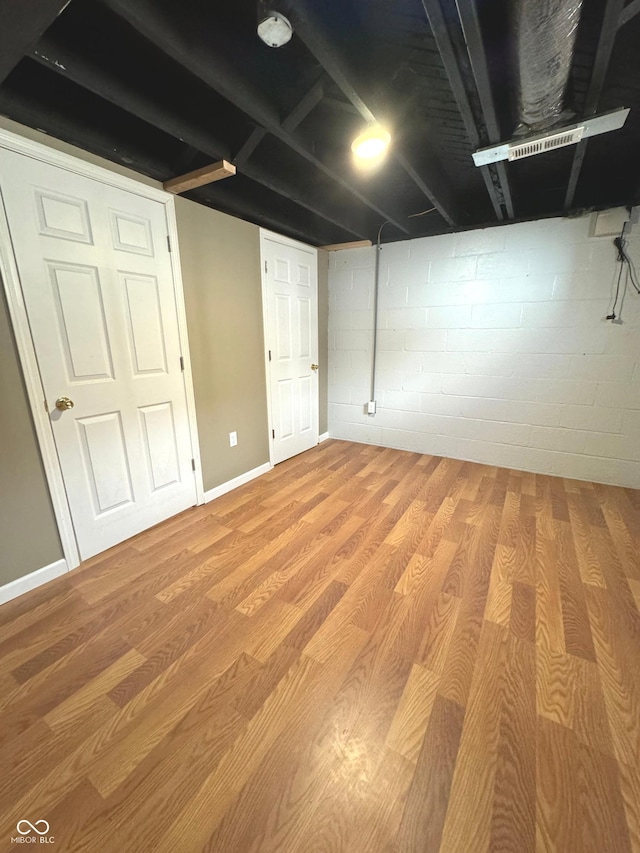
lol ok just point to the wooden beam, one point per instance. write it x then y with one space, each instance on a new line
199 177
71 65
302 109
355 244
23 23
182 39
468 14
629 12
433 182
611 16
453 67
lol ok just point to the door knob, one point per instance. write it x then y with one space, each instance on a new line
314 367
64 403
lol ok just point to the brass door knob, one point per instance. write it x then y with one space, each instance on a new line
64 403
314 366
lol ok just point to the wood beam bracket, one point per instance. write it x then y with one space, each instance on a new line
354 244
199 177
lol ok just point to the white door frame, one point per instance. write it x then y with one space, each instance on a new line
286 241
26 350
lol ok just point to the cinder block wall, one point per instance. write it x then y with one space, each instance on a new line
493 347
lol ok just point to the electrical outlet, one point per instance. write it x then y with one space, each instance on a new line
233 439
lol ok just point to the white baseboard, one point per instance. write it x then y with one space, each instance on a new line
323 437
230 485
21 585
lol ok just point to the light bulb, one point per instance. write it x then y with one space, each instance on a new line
371 144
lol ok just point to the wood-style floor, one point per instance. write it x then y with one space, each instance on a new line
365 650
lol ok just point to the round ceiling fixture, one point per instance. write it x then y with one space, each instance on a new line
372 144
275 30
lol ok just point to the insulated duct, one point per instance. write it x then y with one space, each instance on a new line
546 34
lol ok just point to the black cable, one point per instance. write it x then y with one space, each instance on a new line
612 316
632 276
632 271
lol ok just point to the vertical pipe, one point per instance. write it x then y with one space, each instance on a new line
376 287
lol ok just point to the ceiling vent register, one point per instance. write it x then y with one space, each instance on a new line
545 143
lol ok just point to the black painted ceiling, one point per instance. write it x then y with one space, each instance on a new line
166 87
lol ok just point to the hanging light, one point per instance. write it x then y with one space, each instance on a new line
371 145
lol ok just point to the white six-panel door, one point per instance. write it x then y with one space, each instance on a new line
97 280
291 328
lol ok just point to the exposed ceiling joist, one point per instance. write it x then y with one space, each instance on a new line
434 183
183 42
612 13
302 109
304 106
200 177
629 12
125 95
230 203
454 73
249 146
168 88
468 13
23 23
342 106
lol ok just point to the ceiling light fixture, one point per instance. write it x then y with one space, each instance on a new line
372 144
274 29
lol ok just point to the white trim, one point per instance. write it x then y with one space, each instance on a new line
183 333
287 241
265 342
35 393
230 485
21 585
323 437
26 350
38 151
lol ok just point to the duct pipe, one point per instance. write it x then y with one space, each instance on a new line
546 34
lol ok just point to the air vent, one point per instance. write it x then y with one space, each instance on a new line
517 149
547 143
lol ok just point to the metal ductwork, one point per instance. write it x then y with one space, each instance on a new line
546 34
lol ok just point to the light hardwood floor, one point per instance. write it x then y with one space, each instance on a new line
365 651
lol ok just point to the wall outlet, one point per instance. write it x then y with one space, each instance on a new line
233 439
371 407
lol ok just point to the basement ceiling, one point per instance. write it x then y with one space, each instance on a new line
166 88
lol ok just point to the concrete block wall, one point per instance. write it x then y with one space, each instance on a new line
493 347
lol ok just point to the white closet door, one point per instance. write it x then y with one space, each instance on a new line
98 286
292 340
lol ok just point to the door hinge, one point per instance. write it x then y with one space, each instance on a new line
46 407
193 464
273 433
265 267
269 355
182 363
168 242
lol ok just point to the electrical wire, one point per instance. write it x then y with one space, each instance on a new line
631 273
376 288
632 270
612 315
422 213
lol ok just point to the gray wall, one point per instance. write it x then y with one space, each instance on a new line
220 259
221 275
28 531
